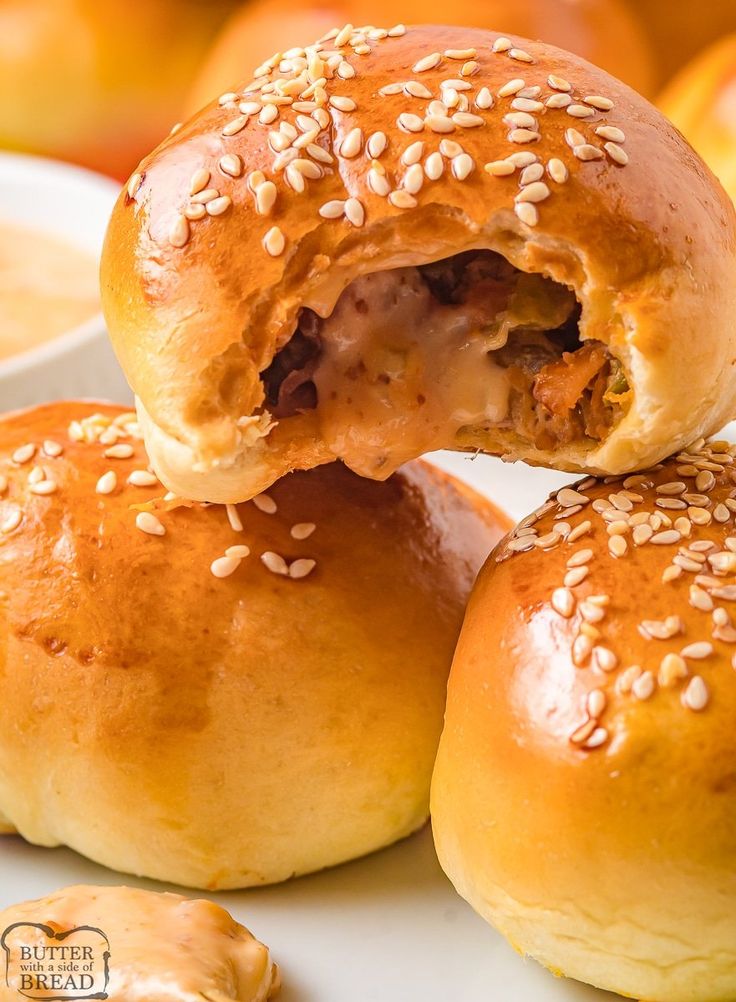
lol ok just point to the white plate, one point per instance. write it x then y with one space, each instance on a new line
73 204
387 928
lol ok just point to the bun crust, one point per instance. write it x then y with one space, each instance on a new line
591 707
144 933
221 731
648 249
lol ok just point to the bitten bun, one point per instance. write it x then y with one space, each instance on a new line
159 947
220 697
274 294
584 798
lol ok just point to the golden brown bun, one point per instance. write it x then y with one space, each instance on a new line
144 934
649 249
220 732
604 32
87 80
678 31
700 103
586 805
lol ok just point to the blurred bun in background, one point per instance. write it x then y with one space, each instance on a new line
603 31
99 82
680 28
701 101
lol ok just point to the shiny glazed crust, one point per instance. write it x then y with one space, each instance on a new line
648 248
584 798
177 709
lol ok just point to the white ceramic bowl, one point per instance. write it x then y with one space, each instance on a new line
73 204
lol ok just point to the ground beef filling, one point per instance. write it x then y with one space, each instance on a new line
467 342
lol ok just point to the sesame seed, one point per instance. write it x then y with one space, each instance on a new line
391 89
535 192
597 738
233 517
107 483
249 107
333 209
434 166
521 56
223 567
274 241
402 199
563 602
354 211
592 613
11 520
240 551
574 138
265 197
142 478
666 538
521 120
427 63
643 686
415 89
700 599
147 522
343 36
470 68
136 180
587 152
576 576
596 702
409 122
558 83
582 648
179 232
378 182
558 101
466 120
413 153
605 659
123 450
52 449
460 54
268 115
525 104
237 125
534 172
697 651
601 103
583 733
610 132
695 697
567 497
342 103
502 44
462 166
24 453
557 170
345 71
302 530
204 196
522 136
500 168
199 181
440 123
527 213
265 503
397 31
617 153
376 145
580 111
275 563
511 88
484 99
672 667
301 567
617 546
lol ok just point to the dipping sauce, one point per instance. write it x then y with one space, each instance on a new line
47 287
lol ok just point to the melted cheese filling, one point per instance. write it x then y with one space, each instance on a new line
409 358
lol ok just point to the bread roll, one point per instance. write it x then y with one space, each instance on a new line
220 697
410 273
584 799
160 948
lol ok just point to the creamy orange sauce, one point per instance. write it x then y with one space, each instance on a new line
47 287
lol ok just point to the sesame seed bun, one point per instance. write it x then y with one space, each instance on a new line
162 945
291 315
220 697
604 32
584 799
